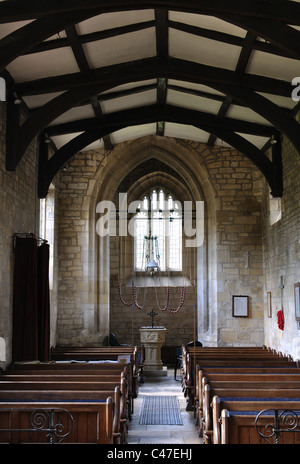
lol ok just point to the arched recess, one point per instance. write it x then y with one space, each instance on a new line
108 182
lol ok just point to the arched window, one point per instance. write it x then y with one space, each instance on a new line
158 232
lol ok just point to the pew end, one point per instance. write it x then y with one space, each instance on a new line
224 426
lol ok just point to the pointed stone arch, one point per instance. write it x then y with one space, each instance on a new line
104 186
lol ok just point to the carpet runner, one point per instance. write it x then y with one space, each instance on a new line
160 410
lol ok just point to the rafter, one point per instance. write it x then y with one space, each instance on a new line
30 35
268 19
209 74
147 69
91 37
288 11
85 70
117 121
270 23
277 32
223 37
162 51
240 69
230 39
188 116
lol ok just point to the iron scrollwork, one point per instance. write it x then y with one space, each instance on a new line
43 420
286 420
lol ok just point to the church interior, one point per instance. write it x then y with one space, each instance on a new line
150 181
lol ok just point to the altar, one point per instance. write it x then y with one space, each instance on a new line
153 338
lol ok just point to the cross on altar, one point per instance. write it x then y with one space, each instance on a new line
152 314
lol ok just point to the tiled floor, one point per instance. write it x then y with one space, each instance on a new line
163 434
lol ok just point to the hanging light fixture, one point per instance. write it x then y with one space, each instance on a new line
151 268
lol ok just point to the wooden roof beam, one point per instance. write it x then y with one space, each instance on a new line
188 116
287 11
268 22
147 69
85 70
162 51
240 69
145 115
209 73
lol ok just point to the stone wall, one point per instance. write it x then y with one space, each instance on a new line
233 241
239 246
281 246
246 248
125 322
19 208
77 302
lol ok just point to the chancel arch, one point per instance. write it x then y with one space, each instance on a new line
134 169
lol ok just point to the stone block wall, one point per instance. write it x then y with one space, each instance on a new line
249 249
236 224
281 254
19 209
77 303
238 187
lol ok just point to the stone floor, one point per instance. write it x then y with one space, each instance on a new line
163 434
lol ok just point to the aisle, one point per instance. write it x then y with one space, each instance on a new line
163 434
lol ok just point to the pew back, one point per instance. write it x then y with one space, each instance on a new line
93 421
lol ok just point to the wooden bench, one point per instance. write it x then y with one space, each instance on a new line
93 421
226 357
58 396
226 379
84 385
256 390
234 420
81 380
236 372
82 367
223 358
85 353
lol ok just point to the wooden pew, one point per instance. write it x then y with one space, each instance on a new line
244 379
82 367
58 396
250 370
64 353
254 390
83 380
225 357
93 421
234 420
234 372
83 384
77 380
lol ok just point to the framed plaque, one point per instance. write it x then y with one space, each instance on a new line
240 306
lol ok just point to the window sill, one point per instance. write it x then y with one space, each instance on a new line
160 281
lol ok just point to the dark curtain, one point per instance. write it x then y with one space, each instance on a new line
30 301
43 303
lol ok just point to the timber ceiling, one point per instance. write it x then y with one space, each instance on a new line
98 72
